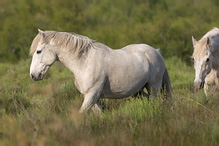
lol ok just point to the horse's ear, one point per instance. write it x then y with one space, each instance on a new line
194 42
41 33
208 41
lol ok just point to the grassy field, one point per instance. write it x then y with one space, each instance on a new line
46 112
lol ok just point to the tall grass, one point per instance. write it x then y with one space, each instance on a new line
46 112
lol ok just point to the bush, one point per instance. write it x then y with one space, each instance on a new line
168 25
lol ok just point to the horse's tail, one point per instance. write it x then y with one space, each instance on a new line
166 86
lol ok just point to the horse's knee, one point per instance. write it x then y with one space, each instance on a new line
90 99
97 108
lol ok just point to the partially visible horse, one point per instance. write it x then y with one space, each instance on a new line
206 60
100 72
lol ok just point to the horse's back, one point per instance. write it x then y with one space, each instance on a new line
214 37
153 56
138 48
212 33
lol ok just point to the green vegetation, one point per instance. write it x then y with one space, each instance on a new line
46 112
165 24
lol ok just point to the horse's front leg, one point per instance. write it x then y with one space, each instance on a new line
92 96
90 99
92 89
206 89
97 108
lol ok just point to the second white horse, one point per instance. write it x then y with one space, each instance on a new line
206 60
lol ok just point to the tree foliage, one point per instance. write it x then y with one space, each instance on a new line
164 24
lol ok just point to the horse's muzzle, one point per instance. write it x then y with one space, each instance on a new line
198 85
36 78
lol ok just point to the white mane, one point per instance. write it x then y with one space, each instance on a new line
213 32
75 43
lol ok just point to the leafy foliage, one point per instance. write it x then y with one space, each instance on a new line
165 24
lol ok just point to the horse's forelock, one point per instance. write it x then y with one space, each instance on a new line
34 44
200 49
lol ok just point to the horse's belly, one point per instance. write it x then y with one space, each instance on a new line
124 88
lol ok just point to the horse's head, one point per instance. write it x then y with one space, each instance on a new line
43 56
202 61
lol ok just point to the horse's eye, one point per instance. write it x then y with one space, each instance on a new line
207 59
39 51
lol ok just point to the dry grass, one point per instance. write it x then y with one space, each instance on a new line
46 113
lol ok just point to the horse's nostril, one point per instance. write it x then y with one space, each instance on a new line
202 84
40 75
32 76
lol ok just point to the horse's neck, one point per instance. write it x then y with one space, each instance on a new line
215 63
76 65
215 54
79 65
70 61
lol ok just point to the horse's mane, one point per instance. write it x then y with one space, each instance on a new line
75 43
214 31
34 44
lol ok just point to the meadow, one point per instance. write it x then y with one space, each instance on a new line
46 112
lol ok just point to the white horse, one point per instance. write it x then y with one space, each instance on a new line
100 72
206 60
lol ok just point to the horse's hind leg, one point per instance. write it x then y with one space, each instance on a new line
151 88
141 93
155 88
148 87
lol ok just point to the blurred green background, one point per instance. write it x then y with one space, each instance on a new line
165 24
46 112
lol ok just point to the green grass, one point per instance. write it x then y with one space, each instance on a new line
46 112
